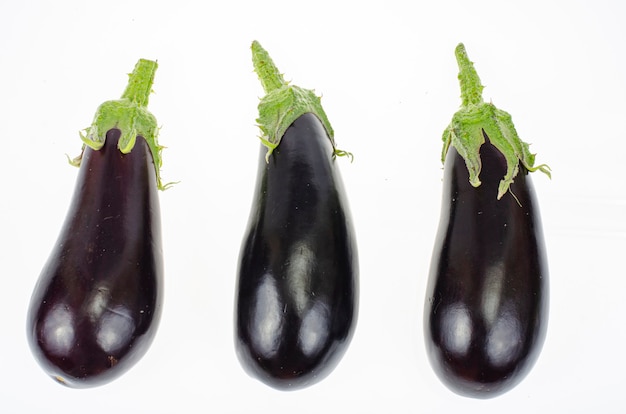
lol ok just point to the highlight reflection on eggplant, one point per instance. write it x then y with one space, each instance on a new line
96 305
297 288
487 296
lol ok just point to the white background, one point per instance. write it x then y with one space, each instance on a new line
387 72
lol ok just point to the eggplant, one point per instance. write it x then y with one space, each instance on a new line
297 286
97 303
487 298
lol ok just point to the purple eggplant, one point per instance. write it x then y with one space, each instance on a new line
97 303
486 311
297 286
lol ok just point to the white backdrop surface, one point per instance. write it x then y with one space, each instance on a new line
387 73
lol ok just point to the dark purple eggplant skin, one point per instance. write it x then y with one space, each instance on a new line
96 306
297 286
486 311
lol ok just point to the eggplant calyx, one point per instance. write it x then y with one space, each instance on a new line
477 119
284 103
130 115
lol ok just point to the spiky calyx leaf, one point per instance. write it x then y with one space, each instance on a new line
130 115
474 120
284 103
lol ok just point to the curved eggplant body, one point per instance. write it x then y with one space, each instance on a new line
487 298
96 306
297 290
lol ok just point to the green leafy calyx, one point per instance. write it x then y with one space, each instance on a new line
130 115
474 120
284 103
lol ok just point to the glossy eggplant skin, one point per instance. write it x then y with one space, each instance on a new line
297 289
96 306
486 311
